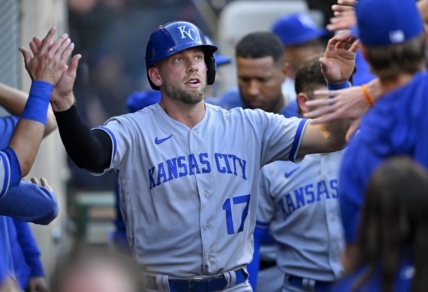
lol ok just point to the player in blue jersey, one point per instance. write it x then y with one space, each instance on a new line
301 39
396 52
188 171
21 200
27 265
392 237
261 71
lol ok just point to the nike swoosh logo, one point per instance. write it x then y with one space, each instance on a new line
288 174
158 141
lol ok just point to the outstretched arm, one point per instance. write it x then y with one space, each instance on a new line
30 202
88 149
344 14
337 66
349 103
45 69
13 100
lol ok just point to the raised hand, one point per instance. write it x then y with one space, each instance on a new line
49 60
346 103
62 96
339 58
344 15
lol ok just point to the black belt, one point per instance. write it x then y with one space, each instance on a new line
197 284
320 286
266 264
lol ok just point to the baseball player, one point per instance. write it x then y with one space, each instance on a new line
301 39
396 53
298 203
136 101
21 200
27 265
188 171
261 71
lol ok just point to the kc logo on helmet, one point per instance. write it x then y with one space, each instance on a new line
189 33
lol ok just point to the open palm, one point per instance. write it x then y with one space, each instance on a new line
339 58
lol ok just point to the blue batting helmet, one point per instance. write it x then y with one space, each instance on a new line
177 36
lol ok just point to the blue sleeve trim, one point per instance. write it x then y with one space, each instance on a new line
113 139
260 224
6 180
343 85
12 170
15 168
297 139
36 107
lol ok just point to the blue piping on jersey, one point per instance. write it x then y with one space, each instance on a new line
113 139
6 166
297 139
260 224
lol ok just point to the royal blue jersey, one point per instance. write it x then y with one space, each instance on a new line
396 125
402 282
25 253
232 99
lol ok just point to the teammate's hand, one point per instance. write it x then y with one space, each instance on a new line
348 103
43 183
339 58
344 20
344 15
49 60
62 97
37 284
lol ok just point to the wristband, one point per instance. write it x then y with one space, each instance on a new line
36 108
367 95
342 85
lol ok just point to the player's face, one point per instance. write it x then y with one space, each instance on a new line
184 76
259 82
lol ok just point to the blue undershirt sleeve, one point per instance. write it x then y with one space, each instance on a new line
30 203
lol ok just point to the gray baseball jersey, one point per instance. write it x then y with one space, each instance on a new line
299 204
189 195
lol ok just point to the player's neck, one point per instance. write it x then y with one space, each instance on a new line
401 80
186 114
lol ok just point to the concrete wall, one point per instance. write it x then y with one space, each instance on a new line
37 17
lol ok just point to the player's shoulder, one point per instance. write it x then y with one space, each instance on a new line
230 99
144 113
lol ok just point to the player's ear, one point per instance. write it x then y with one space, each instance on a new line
154 76
285 68
302 98
426 31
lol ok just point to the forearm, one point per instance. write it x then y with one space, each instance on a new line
423 9
88 149
13 100
25 142
50 123
26 137
29 203
374 89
